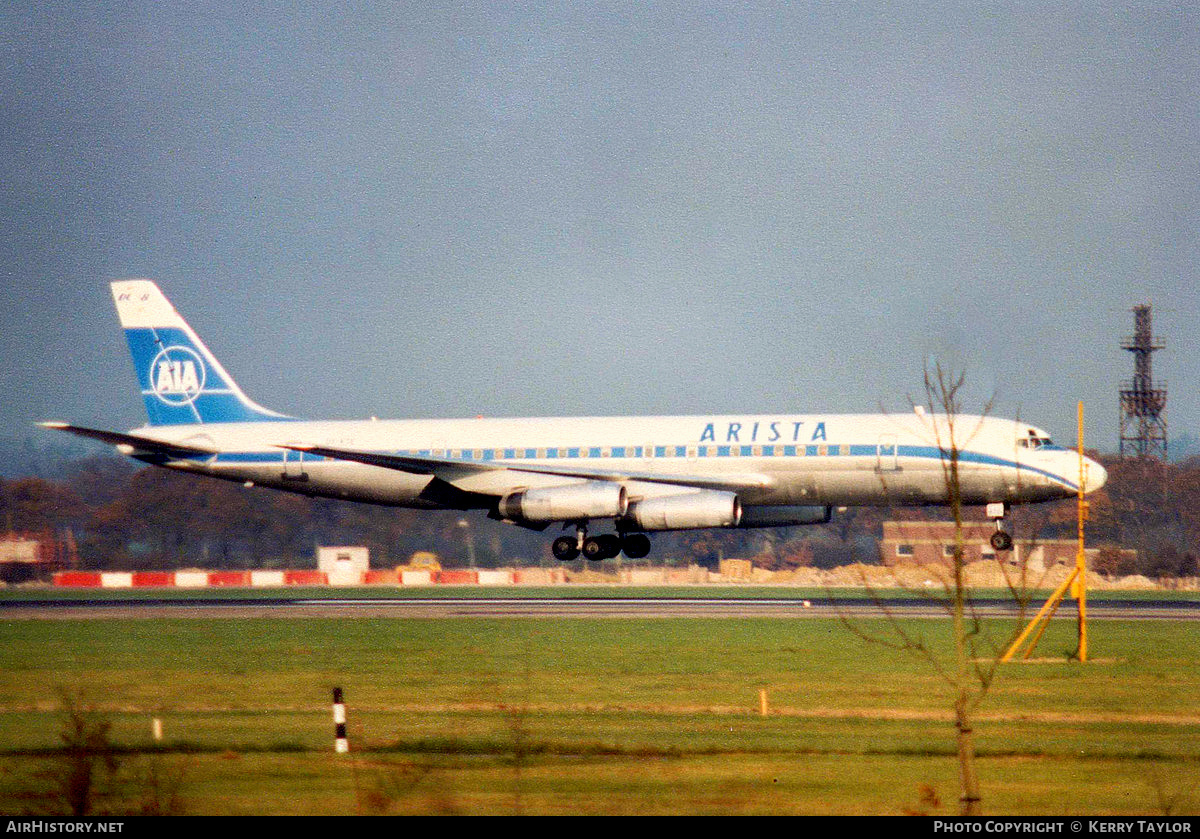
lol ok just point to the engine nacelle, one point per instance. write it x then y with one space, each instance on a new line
784 516
591 500
706 508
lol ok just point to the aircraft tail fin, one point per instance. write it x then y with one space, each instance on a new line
181 381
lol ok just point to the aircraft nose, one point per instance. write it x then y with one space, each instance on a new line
1094 475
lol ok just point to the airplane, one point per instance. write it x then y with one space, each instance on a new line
639 475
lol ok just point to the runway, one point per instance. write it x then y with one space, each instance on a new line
474 607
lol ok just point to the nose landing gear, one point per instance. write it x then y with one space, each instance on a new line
1001 540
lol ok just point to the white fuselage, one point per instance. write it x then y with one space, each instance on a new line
838 460
641 474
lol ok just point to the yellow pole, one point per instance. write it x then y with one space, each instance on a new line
1080 555
1044 614
1055 599
1076 582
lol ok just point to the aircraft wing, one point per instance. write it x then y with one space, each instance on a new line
730 482
133 441
439 467
450 470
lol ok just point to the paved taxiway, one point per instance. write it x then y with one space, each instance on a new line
563 607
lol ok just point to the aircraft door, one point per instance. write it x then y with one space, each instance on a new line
293 466
887 454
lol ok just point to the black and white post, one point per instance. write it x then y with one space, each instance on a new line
341 744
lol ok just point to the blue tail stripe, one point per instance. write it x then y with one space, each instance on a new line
181 383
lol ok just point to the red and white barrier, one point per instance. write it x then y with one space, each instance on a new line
283 579
305 578
116 579
266 579
152 579
78 579
419 577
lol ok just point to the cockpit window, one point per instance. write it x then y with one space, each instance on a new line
1034 441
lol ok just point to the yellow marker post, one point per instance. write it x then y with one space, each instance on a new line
1076 582
1080 587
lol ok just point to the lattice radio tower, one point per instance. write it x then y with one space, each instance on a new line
1143 401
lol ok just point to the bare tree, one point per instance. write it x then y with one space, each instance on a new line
967 692
972 665
86 750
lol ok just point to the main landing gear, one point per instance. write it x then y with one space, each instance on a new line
604 546
1001 540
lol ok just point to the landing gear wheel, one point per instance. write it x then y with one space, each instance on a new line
564 548
592 549
1001 540
597 548
636 545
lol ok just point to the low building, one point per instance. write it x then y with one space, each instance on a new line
28 556
344 565
925 542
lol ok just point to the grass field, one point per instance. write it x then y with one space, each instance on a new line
582 716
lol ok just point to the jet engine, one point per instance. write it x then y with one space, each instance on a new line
706 508
784 516
576 502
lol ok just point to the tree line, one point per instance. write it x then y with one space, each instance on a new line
122 516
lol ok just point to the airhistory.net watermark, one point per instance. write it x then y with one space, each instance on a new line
61 826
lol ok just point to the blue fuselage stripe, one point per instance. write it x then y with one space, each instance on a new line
514 456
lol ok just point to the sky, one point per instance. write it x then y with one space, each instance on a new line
515 209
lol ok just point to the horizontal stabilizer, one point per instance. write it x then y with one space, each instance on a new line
135 443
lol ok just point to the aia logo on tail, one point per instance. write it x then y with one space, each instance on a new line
177 375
